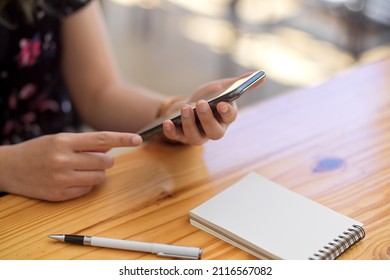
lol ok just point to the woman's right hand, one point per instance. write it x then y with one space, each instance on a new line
60 166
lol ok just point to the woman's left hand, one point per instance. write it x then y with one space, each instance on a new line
212 124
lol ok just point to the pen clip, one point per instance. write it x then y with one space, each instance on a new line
167 255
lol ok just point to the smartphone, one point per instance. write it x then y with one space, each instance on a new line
230 94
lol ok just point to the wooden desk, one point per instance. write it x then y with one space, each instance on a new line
330 143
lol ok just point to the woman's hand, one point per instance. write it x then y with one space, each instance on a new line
61 166
212 124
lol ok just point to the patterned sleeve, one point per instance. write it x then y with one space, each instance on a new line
65 8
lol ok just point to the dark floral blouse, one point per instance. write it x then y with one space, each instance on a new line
33 98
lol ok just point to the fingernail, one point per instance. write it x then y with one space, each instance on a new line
224 108
167 127
185 112
136 140
203 106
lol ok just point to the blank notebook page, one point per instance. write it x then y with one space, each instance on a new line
264 215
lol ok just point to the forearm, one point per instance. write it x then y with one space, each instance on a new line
2 169
5 154
120 107
93 79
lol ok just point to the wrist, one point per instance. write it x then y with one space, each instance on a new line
170 103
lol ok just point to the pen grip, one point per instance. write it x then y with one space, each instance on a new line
75 239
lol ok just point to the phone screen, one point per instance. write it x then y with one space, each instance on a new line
233 92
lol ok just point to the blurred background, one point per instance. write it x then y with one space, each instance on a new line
174 46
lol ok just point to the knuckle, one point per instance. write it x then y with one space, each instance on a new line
58 161
102 139
123 140
60 139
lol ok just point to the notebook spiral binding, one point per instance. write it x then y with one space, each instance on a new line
340 244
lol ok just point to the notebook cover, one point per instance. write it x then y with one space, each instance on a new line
273 222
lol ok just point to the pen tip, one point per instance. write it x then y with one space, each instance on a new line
56 236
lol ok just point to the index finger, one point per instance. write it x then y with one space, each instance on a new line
104 140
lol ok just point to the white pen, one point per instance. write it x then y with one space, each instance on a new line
162 250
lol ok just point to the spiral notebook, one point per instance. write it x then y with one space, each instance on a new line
272 222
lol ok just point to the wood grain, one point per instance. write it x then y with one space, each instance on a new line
330 143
